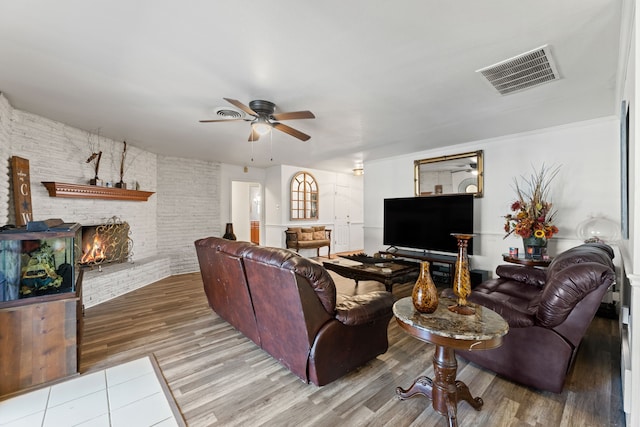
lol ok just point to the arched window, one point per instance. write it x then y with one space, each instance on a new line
304 196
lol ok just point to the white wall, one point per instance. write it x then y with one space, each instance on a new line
273 206
276 208
5 139
327 182
240 210
588 183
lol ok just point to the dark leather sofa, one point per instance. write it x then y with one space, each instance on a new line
288 305
548 312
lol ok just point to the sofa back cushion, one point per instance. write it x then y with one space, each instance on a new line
225 283
588 252
292 298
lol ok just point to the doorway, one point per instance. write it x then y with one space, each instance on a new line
246 210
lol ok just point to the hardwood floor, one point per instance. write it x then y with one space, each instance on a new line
221 378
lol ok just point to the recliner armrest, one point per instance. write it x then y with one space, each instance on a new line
513 314
528 275
568 287
365 308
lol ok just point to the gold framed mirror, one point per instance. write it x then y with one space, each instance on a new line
304 196
453 174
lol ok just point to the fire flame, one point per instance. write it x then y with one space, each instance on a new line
93 252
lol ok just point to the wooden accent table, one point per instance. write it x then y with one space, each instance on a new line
520 259
448 331
386 271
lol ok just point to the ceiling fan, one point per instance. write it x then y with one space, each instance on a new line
263 119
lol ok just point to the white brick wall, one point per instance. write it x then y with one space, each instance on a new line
5 127
163 229
188 209
97 285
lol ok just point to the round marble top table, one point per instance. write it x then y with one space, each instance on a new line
448 331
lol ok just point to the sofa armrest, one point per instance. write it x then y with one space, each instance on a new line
529 275
363 309
327 234
292 236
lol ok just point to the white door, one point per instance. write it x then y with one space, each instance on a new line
341 228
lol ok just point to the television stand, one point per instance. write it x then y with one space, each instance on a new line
442 266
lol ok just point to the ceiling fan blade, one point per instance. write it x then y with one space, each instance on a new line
291 131
253 136
241 106
220 120
294 115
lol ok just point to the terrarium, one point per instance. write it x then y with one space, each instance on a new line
37 263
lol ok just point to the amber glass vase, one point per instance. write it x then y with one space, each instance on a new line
462 276
425 294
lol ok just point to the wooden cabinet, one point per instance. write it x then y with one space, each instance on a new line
39 342
41 308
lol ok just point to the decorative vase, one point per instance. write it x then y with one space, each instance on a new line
228 233
534 247
462 276
425 294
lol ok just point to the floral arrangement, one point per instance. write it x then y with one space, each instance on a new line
532 213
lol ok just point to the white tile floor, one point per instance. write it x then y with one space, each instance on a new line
126 395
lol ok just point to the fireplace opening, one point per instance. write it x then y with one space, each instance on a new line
106 243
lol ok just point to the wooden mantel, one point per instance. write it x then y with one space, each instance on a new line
60 189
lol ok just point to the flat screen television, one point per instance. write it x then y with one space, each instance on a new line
427 222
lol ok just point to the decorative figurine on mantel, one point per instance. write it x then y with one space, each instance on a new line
122 184
95 157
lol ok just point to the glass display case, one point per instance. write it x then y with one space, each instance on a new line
38 263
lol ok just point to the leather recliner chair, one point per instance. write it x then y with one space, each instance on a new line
548 312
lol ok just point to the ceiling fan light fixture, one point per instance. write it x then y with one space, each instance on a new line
261 126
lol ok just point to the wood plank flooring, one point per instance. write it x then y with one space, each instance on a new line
221 378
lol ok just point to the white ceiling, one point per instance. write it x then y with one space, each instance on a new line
383 78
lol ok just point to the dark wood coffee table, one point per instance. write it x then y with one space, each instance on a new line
386 271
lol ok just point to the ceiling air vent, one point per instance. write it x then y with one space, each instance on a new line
228 113
521 72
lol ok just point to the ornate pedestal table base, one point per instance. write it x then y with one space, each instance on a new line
448 331
444 391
